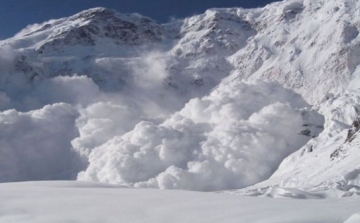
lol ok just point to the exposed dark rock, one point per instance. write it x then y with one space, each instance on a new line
355 128
306 132
349 138
101 22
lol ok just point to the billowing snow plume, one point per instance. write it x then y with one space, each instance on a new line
36 145
235 137
68 117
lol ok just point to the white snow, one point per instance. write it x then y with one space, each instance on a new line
354 218
88 202
235 137
191 105
339 172
36 145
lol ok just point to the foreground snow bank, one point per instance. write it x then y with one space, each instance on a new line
34 202
235 137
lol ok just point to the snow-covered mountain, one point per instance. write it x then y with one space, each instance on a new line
190 104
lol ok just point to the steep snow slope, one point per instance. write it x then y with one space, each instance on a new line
138 75
127 53
311 46
328 162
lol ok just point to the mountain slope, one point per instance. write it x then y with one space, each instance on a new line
309 46
327 162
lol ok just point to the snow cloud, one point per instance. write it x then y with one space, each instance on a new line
75 90
7 57
35 27
101 121
142 135
150 71
36 145
64 118
235 137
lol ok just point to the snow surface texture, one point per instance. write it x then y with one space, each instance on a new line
353 219
88 202
165 105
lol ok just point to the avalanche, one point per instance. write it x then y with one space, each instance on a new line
235 137
259 101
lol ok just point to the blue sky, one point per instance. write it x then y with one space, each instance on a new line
17 14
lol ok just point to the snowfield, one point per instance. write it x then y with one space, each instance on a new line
57 201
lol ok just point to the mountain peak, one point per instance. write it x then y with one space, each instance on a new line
94 13
105 14
89 27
